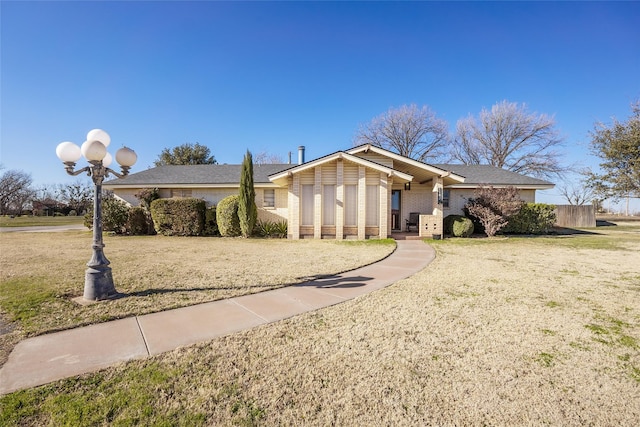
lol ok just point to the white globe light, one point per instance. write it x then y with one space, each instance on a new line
99 135
68 152
108 159
93 150
126 157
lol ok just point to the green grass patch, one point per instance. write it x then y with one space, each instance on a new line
546 359
597 329
136 397
553 304
34 221
22 298
635 373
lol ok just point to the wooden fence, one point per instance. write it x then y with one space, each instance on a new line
575 216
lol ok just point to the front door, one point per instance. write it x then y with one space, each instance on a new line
396 225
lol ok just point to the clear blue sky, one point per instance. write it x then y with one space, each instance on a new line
272 76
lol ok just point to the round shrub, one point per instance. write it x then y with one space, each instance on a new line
462 227
227 216
115 213
447 223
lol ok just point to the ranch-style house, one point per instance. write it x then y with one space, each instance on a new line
363 192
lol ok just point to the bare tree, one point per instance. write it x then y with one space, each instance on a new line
509 137
409 131
45 201
265 158
78 196
578 195
494 206
15 191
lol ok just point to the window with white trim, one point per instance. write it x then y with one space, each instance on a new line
269 198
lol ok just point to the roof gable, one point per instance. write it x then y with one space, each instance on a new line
281 177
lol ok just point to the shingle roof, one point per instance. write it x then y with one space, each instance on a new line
197 174
230 174
491 175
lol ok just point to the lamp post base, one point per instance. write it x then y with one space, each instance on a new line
98 284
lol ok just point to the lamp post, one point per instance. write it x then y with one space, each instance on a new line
98 283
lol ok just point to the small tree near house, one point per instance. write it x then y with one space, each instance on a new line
493 207
247 210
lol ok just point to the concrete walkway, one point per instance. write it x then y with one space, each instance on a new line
46 358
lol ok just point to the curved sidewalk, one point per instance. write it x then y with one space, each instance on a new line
46 358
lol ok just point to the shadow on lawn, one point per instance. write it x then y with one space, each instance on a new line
337 281
332 281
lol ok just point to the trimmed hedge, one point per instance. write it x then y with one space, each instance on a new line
533 218
210 223
227 216
139 222
458 226
178 217
462 227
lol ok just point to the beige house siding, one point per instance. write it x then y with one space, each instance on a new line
277 213
337 173
418 199
459 197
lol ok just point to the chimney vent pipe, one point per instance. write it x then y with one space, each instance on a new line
301 154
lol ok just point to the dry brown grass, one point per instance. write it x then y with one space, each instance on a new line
541 331
42 272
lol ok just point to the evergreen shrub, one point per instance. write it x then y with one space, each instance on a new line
139 222
178 217
210 223
533 218
115 214
462 227
227 216
458 226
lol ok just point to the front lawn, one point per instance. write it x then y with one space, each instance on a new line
507 331
34 221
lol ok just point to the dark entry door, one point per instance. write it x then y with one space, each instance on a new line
395 210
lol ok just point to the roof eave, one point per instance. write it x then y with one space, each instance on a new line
518 186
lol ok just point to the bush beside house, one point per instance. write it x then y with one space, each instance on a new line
227 216
533 218
179 217
458 226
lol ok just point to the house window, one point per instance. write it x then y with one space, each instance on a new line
269 199
306 205
351 205
181 192
372 214
446 194
328 205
